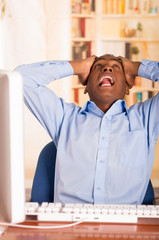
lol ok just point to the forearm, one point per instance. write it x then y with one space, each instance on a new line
78 67
43 73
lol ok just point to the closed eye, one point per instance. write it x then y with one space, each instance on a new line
98 65
116 66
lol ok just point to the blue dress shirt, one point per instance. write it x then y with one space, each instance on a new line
101 157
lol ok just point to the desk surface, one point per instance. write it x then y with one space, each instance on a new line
84 231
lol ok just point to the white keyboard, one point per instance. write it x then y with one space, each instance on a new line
57 212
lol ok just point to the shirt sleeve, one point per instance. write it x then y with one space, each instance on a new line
43 102
150 70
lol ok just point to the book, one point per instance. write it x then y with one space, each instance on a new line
76 28
89 49
77 51
85 7
127 50
144 6
131 6
81 50
121 7
82 27
138 97
93 7
113 6
104 7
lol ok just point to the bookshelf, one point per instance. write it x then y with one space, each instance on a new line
119 27
83 37
83 28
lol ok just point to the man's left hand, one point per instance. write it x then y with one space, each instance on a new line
130 70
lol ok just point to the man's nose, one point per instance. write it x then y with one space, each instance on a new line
107 69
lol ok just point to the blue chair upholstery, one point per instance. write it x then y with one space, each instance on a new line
43 183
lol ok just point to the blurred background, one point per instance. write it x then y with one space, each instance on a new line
39 30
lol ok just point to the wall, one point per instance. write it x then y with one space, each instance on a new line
33 31
37 30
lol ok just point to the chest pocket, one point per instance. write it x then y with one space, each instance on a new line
133 148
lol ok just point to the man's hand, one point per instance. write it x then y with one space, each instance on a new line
82 68
130 70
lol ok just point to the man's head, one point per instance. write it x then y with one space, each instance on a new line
106 82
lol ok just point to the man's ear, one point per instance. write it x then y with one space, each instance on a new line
85 90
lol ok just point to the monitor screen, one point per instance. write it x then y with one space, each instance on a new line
12 192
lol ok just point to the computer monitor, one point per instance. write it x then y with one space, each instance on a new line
12 192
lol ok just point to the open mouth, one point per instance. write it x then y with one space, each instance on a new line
106 81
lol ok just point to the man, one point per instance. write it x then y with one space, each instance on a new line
105 151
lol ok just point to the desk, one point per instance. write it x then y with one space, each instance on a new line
85 231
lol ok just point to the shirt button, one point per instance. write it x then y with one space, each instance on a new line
98 188
101 161
103 138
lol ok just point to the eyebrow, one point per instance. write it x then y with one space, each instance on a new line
98 59
114 59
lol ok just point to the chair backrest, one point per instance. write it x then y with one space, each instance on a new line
43 183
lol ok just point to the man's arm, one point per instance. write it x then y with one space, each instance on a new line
150 70
147 69
42 102
148 109
42 73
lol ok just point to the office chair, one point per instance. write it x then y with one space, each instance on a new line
43 183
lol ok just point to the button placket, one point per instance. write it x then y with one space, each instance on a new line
101 159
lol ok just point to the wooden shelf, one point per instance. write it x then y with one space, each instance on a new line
142 89
80 15
78 86
129 40
130 16
83 39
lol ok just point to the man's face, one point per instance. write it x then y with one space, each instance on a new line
106 82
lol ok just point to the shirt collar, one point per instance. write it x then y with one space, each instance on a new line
118 107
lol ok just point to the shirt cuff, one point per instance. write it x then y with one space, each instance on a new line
66 69
149 69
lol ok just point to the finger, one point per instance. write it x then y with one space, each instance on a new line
94 56
120 57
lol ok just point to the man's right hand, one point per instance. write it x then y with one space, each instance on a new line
82 68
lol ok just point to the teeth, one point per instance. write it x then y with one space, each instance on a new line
108 78
106 85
